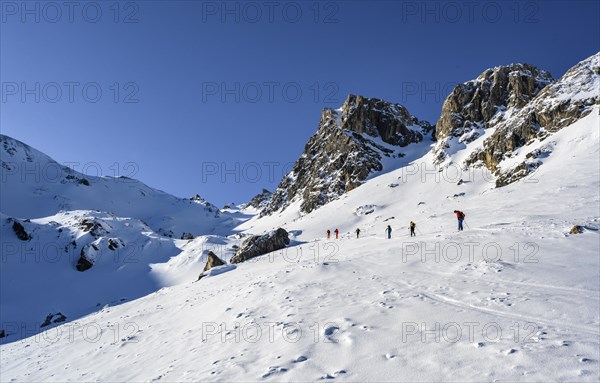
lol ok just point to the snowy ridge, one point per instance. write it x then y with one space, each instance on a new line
34 186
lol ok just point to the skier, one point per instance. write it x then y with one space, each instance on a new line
336 233
357 232
328 233
412 226
389 231
460 216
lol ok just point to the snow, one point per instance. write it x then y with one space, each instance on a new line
513 297
40 188
442 306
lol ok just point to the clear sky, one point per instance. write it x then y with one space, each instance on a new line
218 98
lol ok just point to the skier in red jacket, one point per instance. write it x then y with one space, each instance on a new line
461 217
336 233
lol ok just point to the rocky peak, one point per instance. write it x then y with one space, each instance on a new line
378 118
492 97
349 145
558 105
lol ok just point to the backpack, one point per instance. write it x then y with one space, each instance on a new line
461 215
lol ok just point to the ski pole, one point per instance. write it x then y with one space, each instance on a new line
466 224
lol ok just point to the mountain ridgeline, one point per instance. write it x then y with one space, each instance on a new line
487 120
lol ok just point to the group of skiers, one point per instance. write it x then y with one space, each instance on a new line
460 216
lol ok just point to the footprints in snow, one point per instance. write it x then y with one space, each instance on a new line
278 370
300 359
330 376
273 371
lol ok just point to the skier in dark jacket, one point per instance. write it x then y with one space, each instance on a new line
357 232
388 229
328 233
336 233
412 226
461 217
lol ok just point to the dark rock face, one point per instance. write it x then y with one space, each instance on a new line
212 261
348 146
83 264
378 118
53 318
486 101
20 231
87 257
261 244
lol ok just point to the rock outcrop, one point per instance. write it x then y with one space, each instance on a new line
212 261
53 318
577 229
555 107
20 231
520 104
349 145
493 97
261 200
87 257
261 244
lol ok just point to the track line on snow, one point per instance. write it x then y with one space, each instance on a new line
503 314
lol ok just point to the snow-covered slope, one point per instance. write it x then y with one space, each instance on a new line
34 186
513 297
72 243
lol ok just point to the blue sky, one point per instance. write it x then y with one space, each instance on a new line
219 98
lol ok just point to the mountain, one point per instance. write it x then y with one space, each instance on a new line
513 297
504 120
351 144
73 243
35 186
516 146
478 105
